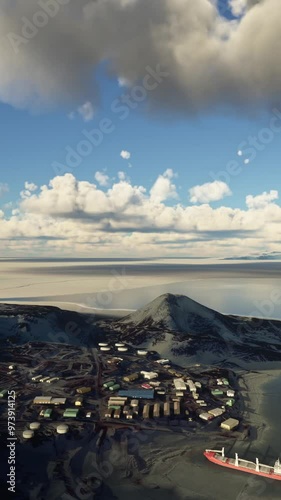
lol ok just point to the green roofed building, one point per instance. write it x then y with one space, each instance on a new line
71 412
230 402
217 392
48 413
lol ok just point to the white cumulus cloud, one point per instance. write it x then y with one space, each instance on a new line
238 7
86 110
102 178
126 155
261 200
30 186
210 191
163 188
121 176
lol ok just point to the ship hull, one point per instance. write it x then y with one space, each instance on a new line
211 456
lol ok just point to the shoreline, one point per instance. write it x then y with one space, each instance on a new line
255 401
72 306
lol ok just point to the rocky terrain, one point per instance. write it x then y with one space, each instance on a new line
175 326
24 323
178 327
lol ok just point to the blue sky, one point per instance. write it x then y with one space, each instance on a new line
193 146
216 108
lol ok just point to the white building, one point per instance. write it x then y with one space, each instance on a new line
179 384
216 412
58 401
230 424
191 385
149 375
42 400
205 416
230 393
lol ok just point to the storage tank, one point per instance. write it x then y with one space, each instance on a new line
114 387
62 429
34 426
108 384
28 434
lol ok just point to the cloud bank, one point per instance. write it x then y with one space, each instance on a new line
74 217
50 51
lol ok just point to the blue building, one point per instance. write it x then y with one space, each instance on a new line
137 393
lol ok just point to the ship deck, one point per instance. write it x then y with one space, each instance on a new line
245 464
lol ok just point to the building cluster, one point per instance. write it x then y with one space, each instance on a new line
131 384
123 406
56 401
161 390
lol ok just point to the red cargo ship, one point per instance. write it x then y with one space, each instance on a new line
218 457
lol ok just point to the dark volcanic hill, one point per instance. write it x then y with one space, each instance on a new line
175 325
25 323
175 313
